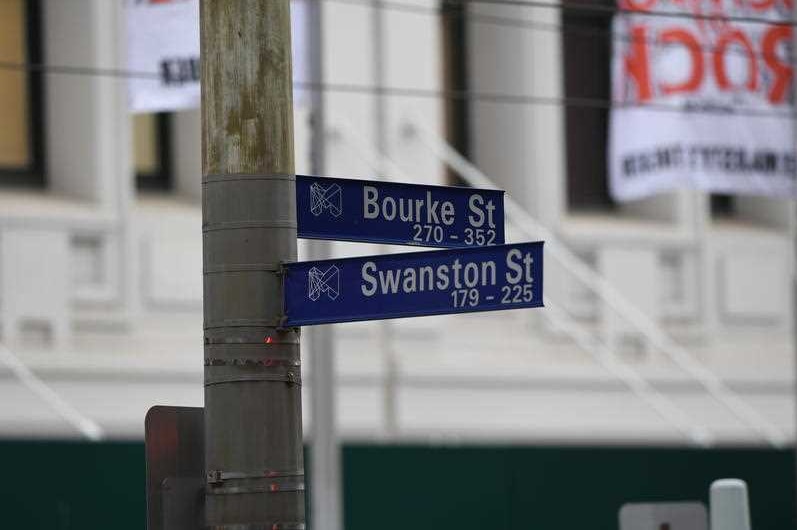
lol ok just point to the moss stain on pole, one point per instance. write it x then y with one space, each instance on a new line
248 109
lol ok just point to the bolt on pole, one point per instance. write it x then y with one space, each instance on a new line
253 416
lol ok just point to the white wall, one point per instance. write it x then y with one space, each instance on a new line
520 146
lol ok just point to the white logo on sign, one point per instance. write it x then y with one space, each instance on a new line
327 281
329 198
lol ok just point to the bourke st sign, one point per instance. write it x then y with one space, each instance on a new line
702 95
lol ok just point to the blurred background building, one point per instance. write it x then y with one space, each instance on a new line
101 238
669 319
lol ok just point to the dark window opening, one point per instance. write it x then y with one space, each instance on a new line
152 151
21 95
722 206
587 70
455 80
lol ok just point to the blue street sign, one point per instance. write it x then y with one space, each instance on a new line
403 214
413 284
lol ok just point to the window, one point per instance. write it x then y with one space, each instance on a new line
151 151
455 77
21 138
721 205
587 68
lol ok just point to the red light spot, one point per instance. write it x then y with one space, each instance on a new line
275 487
268 340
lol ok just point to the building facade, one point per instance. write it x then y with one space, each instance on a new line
669 318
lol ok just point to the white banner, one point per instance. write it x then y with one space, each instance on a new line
163 39
702 102
163 53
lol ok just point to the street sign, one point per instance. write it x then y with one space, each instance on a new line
404 214
664 516
174 444
413 284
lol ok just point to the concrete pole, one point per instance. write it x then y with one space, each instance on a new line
729 507
253 417
326 505
384 327
326 510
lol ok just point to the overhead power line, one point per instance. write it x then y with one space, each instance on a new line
600 9
521 23
468 95
578 8
78 70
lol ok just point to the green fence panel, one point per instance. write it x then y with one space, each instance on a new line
70 486
73 485
529 488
